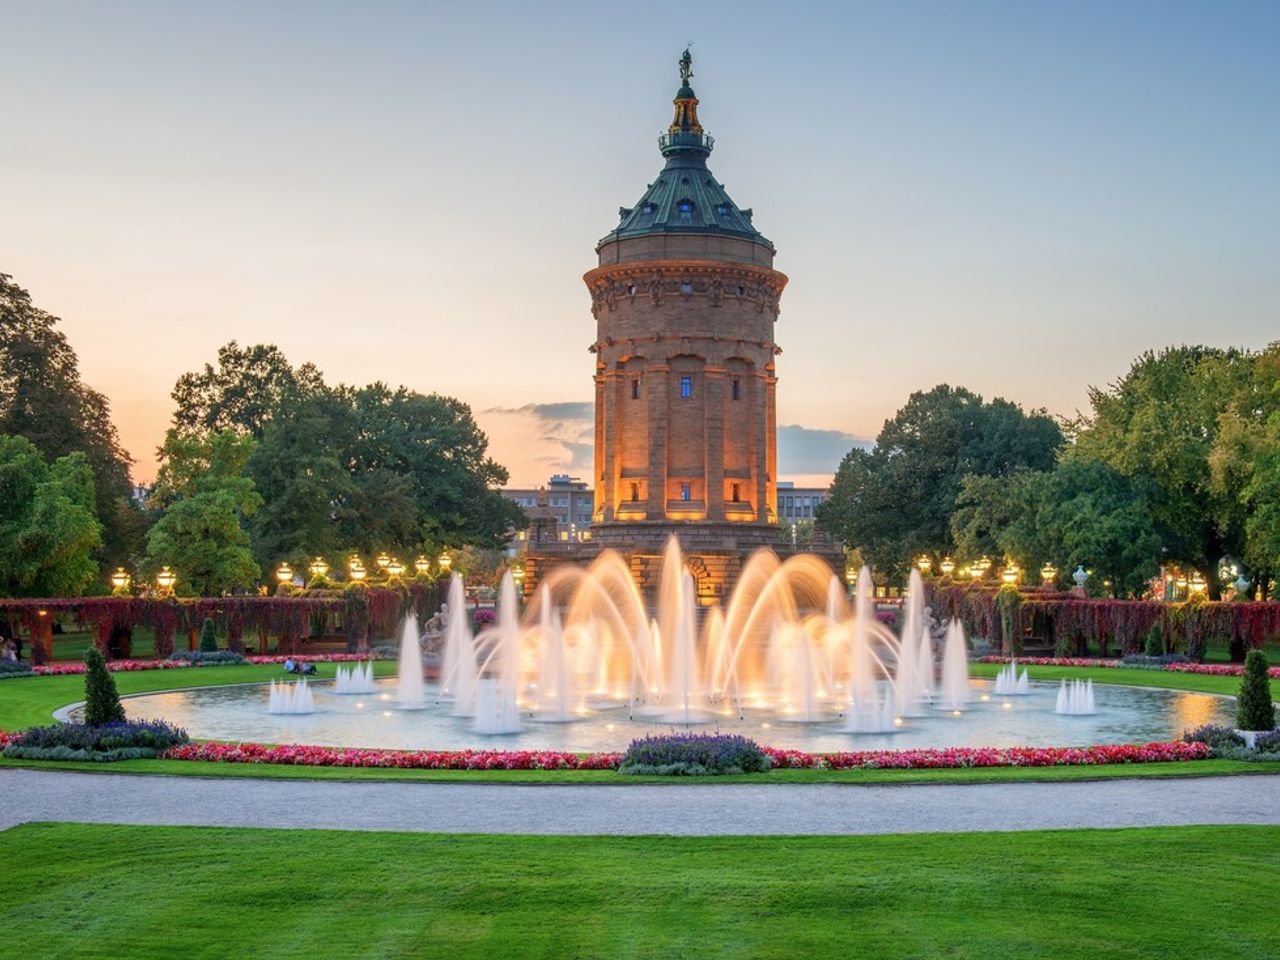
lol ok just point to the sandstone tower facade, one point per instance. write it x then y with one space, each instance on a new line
685 300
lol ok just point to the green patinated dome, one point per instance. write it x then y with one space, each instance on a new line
686 197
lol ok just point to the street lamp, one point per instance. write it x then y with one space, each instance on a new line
924 562
445 561
422 565
165 580
1198 584
394 567
120 580
284 573
1048 573
355 568
1011 573
318 567
382 560
946 566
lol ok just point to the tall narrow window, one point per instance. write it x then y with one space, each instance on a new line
735 389
635 389
686 387
735 491
635 492
686 491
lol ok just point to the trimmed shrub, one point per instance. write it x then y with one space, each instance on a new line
1153 644
107 742
1216 736
694 754
1253 706
1143 661
206 657
101 699
208 636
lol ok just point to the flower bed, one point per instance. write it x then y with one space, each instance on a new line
941 759
960 757
1206 669
399 759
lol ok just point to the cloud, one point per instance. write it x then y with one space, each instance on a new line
538 439
806 450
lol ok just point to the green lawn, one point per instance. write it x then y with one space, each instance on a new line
32 700
111 891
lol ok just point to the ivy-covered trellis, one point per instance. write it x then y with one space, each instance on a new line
1072 623
360 614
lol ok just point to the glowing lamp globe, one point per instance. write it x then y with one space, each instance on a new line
318 567
422 565
1010 573
121 579
383 560
947 566
394 568
284 573
1048 573
445 560
924 563
166 578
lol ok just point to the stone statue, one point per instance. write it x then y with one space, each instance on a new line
686 66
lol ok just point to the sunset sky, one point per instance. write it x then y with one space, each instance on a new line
1015 197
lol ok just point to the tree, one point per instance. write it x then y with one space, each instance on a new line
1158 426
206 499
242 393
101 699
1254 710
43 399
897 500
48 530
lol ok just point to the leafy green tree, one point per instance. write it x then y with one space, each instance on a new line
101 699
1158 426
205 498
896 500
48 530
43 399
242 393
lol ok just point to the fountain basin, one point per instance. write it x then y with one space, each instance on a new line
1124 715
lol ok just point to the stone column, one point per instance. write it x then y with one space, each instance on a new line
713 442
771 446
659 404
760 466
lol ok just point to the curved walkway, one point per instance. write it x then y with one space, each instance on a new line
704 809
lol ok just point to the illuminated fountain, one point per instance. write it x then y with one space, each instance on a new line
285 697
787 643
357 679
1010 683
1075 698
411 689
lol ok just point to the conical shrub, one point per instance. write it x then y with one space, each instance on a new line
101 699
208 636
1253 707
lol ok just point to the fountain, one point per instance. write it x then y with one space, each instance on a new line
410 691
1009 683
498 681
955 669
285 697
458 669
1075 699
357 679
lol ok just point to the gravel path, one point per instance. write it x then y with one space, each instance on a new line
730 809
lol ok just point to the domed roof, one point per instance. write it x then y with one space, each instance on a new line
686 197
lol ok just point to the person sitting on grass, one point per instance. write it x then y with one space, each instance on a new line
10 651
289 665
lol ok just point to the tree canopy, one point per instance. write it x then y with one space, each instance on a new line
43 399
896 500
48 530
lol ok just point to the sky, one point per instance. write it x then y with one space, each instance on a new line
1015 197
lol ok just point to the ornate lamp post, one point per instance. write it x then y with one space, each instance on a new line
394 568
925 563
946 566
318 567
1048 574
445 561
355 569
382 560
121 581
165 580
422 566
1010 573
284 574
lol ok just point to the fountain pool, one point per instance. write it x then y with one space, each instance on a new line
239 713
